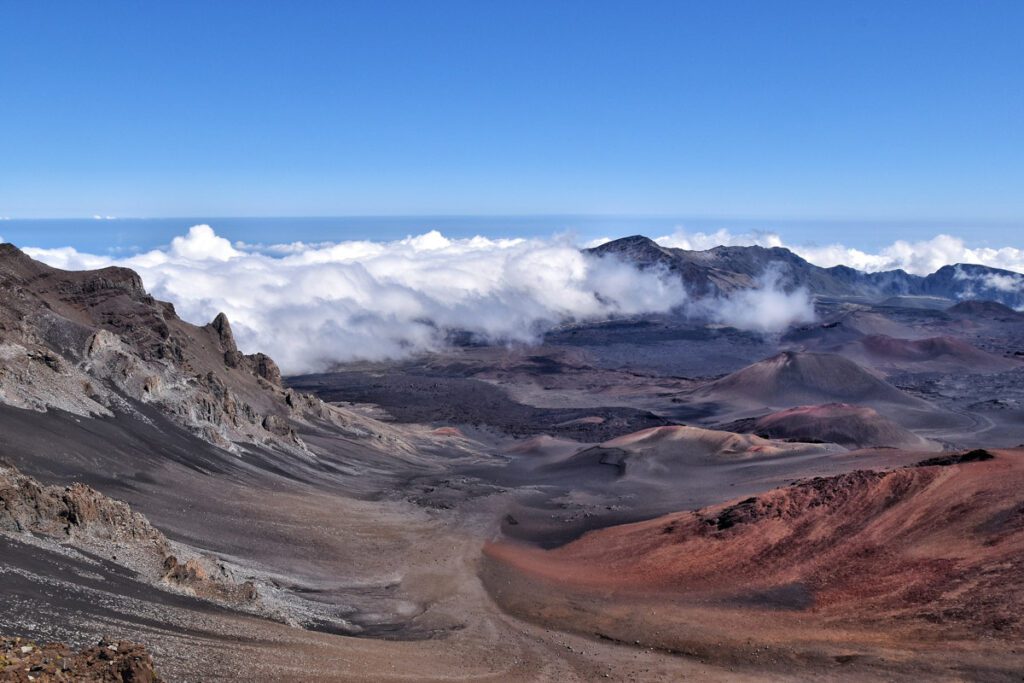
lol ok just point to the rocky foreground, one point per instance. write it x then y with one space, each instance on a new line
22 660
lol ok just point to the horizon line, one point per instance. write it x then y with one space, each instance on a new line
655 215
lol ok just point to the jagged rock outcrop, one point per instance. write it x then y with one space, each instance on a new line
81 517
265 367
94 343
76 512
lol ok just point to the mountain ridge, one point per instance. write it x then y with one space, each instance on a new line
94 342
723 269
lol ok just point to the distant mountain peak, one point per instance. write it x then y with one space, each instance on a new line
635 247
632 239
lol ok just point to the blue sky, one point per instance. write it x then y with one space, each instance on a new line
760 110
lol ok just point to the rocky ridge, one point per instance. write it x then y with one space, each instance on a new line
722 270
79 517
94 343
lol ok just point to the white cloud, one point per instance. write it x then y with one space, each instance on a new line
316 304
202 244
981 284
68 258
766 308
1003 283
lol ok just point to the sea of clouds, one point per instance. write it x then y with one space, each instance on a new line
311 305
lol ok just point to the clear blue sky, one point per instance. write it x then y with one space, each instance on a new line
848 110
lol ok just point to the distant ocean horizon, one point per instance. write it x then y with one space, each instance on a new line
122 236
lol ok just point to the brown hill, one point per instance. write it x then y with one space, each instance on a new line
914 542
672 451
793 379
935 354
845 328
840 423
984 309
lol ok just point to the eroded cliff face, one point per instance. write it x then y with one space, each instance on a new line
94 343
79 517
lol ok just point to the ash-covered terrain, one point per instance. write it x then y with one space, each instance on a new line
648 497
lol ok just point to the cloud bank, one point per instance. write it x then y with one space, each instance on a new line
311 305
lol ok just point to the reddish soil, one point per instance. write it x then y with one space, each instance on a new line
907 559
